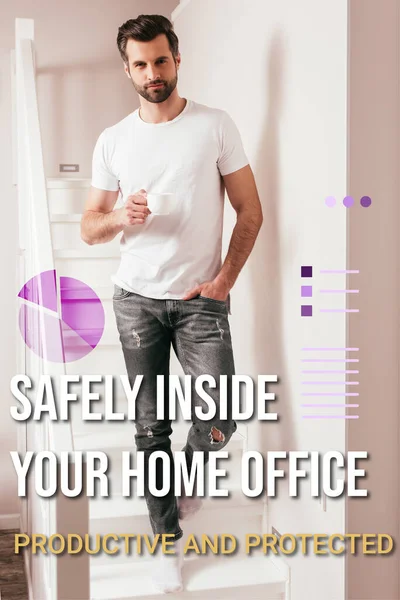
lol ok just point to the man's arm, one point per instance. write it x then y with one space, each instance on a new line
100 223
243 196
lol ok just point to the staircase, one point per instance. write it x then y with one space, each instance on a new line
117 576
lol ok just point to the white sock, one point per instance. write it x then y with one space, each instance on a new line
168 576
188 506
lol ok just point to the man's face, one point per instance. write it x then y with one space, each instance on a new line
152 63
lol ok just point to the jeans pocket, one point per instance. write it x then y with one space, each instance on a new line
120 293
223 302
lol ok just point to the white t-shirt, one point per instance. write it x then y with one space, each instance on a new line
170 254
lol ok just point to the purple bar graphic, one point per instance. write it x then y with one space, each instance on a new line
329 394
306 271
339 291
340 310
306 310
330 417
332 405
329 349
325 372
306 291
335 360
339 271
330 383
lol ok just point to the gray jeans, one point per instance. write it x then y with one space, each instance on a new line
198 330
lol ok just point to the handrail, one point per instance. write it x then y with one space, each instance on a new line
35 210
51 575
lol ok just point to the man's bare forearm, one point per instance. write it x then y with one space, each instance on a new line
241 244
98 227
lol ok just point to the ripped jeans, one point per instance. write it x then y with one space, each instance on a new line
198 330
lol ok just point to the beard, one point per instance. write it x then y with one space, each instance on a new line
157 95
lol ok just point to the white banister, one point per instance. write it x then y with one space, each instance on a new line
51 576
32 192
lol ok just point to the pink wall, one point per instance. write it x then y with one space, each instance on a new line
82 89
374 114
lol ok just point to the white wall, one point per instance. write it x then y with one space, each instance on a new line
82 89
279 68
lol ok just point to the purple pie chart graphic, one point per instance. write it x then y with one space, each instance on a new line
60 325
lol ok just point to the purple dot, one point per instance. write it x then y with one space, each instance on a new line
348 201
330 201
365 201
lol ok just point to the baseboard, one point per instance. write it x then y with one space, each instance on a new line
9 522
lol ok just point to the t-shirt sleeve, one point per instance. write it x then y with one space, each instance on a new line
232 156
102 175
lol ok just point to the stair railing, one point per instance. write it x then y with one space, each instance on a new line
52 577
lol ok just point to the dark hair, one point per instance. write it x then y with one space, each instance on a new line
144 29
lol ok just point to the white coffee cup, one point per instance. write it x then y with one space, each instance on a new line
162 204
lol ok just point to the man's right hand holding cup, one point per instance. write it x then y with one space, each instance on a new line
135 210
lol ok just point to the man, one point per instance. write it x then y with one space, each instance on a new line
171 288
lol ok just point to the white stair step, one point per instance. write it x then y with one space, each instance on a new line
67 218
121 506
237 521
67 183
104 292
95 251
117 504
103 359
119 436
236 514
94 274
67 195
66 236
226 577
109 338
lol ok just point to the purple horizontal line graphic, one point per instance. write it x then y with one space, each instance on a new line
328 349
339 291
330 383
329 394
340 310
330 417
339 271
334 360
330 371
332 405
